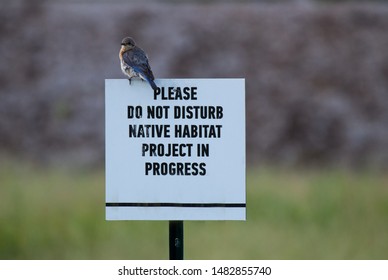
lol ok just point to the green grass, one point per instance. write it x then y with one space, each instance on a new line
57 213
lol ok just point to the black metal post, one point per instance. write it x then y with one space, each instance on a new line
176 240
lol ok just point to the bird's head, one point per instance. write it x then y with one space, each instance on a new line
127 43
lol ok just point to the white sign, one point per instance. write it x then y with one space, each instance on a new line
177 153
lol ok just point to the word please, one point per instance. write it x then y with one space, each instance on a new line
176 93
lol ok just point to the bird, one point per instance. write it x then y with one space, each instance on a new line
134 62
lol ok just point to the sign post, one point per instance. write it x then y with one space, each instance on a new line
176 240
176 153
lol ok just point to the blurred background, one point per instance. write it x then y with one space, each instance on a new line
317 124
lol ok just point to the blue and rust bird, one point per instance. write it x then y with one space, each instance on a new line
134 62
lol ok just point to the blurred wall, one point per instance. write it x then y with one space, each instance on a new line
316 76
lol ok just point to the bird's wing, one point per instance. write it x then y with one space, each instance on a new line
138 61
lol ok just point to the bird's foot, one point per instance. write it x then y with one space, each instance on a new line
130 81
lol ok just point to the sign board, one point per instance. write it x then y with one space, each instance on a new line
177 153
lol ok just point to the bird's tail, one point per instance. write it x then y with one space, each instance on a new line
152 84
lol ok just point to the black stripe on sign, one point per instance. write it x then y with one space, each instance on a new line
168 204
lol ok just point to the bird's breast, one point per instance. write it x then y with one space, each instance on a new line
121 54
